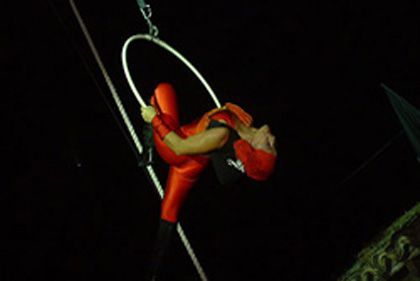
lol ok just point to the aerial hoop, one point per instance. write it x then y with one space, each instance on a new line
171 50
136 93
125 116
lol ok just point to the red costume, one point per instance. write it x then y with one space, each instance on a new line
185 170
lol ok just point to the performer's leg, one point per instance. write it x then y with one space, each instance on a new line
180 181
183 173
165 102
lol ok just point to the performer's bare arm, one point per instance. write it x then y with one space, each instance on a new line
200 143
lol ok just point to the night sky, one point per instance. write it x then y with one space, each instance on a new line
82 207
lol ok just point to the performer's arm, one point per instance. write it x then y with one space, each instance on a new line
200 143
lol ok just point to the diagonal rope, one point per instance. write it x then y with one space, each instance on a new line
107 78
130 127
167 47
83 59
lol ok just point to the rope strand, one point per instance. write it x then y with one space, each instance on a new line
127 122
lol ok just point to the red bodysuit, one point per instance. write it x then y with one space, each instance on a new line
184 170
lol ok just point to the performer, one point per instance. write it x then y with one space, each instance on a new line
224 136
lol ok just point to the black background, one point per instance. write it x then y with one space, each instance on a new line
82 207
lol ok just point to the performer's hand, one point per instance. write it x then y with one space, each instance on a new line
148 113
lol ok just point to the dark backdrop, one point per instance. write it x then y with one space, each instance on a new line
82 207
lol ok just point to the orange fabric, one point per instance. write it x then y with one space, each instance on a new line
223 115
205 119
230 108
241 114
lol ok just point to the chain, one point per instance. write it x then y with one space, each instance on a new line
146 11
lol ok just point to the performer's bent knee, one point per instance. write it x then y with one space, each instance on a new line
165 101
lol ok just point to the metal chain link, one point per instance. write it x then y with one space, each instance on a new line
146 11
